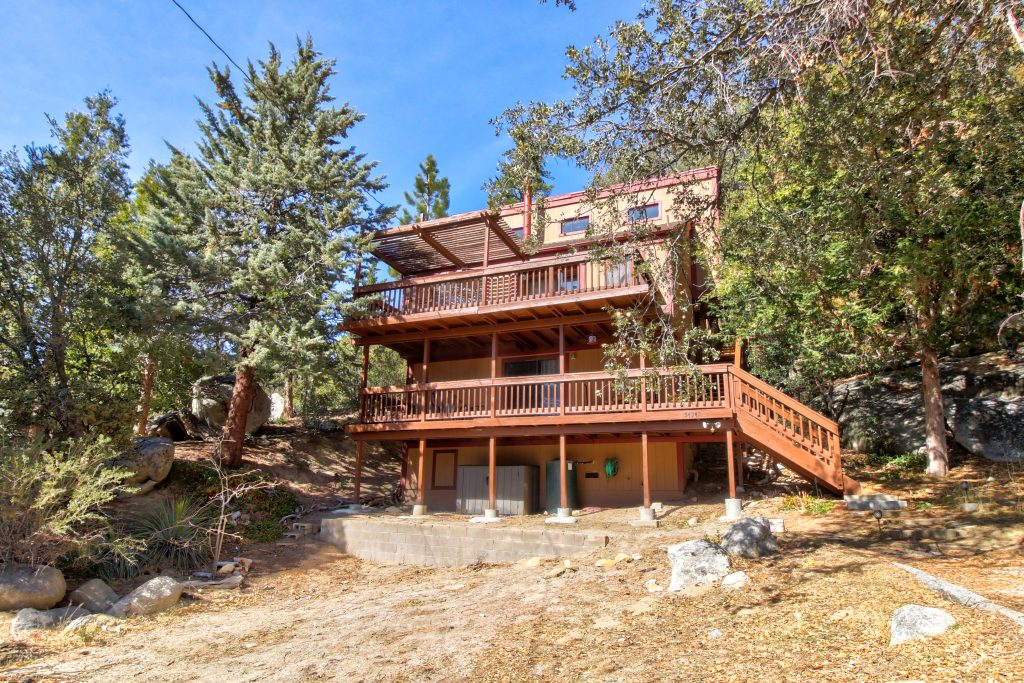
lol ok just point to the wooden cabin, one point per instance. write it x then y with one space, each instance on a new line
502 317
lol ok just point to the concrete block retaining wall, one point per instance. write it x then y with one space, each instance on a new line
449 545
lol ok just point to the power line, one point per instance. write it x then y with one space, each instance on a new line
240 69
208 36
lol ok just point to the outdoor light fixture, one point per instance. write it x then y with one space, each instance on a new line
592 339
711 425
878 518
964 486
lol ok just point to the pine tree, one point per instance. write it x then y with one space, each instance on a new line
429 197
260 230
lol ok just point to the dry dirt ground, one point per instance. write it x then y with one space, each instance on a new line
819 610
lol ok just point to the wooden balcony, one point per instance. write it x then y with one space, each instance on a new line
499 294
721 398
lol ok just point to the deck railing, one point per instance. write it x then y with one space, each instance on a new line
570 394
563 277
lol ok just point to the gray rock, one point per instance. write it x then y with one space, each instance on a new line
735 581
715 634
92 623
750 538
94 595
211 396
179 425
154 596
984 404
276 406
149 463
914 622
25 586
29 619
696 564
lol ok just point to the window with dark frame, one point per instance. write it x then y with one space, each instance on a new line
574 225
445 469
647 212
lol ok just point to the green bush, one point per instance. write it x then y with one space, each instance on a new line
266 531
899 466
175 534
51 497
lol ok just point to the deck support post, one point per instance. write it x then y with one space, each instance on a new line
564 515
358 479
647 517
733 505
492 475
420 508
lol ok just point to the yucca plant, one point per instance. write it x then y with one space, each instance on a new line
176 534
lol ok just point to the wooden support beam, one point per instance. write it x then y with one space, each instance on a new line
492 473
502 235
358 479
563 486
440 248
732 462
646 470
455 333
421 474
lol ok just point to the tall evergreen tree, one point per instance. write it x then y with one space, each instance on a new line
60 271
429 197
261 229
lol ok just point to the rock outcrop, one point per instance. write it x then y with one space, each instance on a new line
984 401
697 564
914 622
24 586
149 462
29 619
750 538
154 596
212 395
94 595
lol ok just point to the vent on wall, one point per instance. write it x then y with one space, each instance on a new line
591 475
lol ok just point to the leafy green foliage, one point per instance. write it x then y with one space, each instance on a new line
429 197
63 298
812 505
51 497
175 534
257 235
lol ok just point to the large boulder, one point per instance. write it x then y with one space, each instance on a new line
154 596
697 564
29 619
25 586
984 404
179 425
149 462
94 595
750 538
211 397
914 622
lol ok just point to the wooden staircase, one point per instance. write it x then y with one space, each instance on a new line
798 437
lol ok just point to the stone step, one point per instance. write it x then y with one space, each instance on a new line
306 528
899 513
876 504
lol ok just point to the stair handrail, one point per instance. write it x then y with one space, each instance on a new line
782 397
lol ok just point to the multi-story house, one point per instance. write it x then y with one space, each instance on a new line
507 404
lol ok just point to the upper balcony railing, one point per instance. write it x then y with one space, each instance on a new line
505 285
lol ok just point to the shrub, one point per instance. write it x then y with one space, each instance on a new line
809 504
51 497
175 534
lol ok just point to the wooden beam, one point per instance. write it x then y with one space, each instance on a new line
732 462
421 495
563 486
492 473
502 235
394 264
646 470
440 248
458 332
358 479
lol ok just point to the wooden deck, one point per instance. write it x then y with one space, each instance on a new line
568 284
598 403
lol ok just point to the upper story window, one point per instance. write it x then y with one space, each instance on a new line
643 213
574 225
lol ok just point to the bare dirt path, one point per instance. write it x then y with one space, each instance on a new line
817 611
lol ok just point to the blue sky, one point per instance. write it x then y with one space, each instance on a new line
428 75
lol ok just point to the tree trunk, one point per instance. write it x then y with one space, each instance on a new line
289 407
934 415
233 437
148 370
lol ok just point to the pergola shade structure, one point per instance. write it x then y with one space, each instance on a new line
461 241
